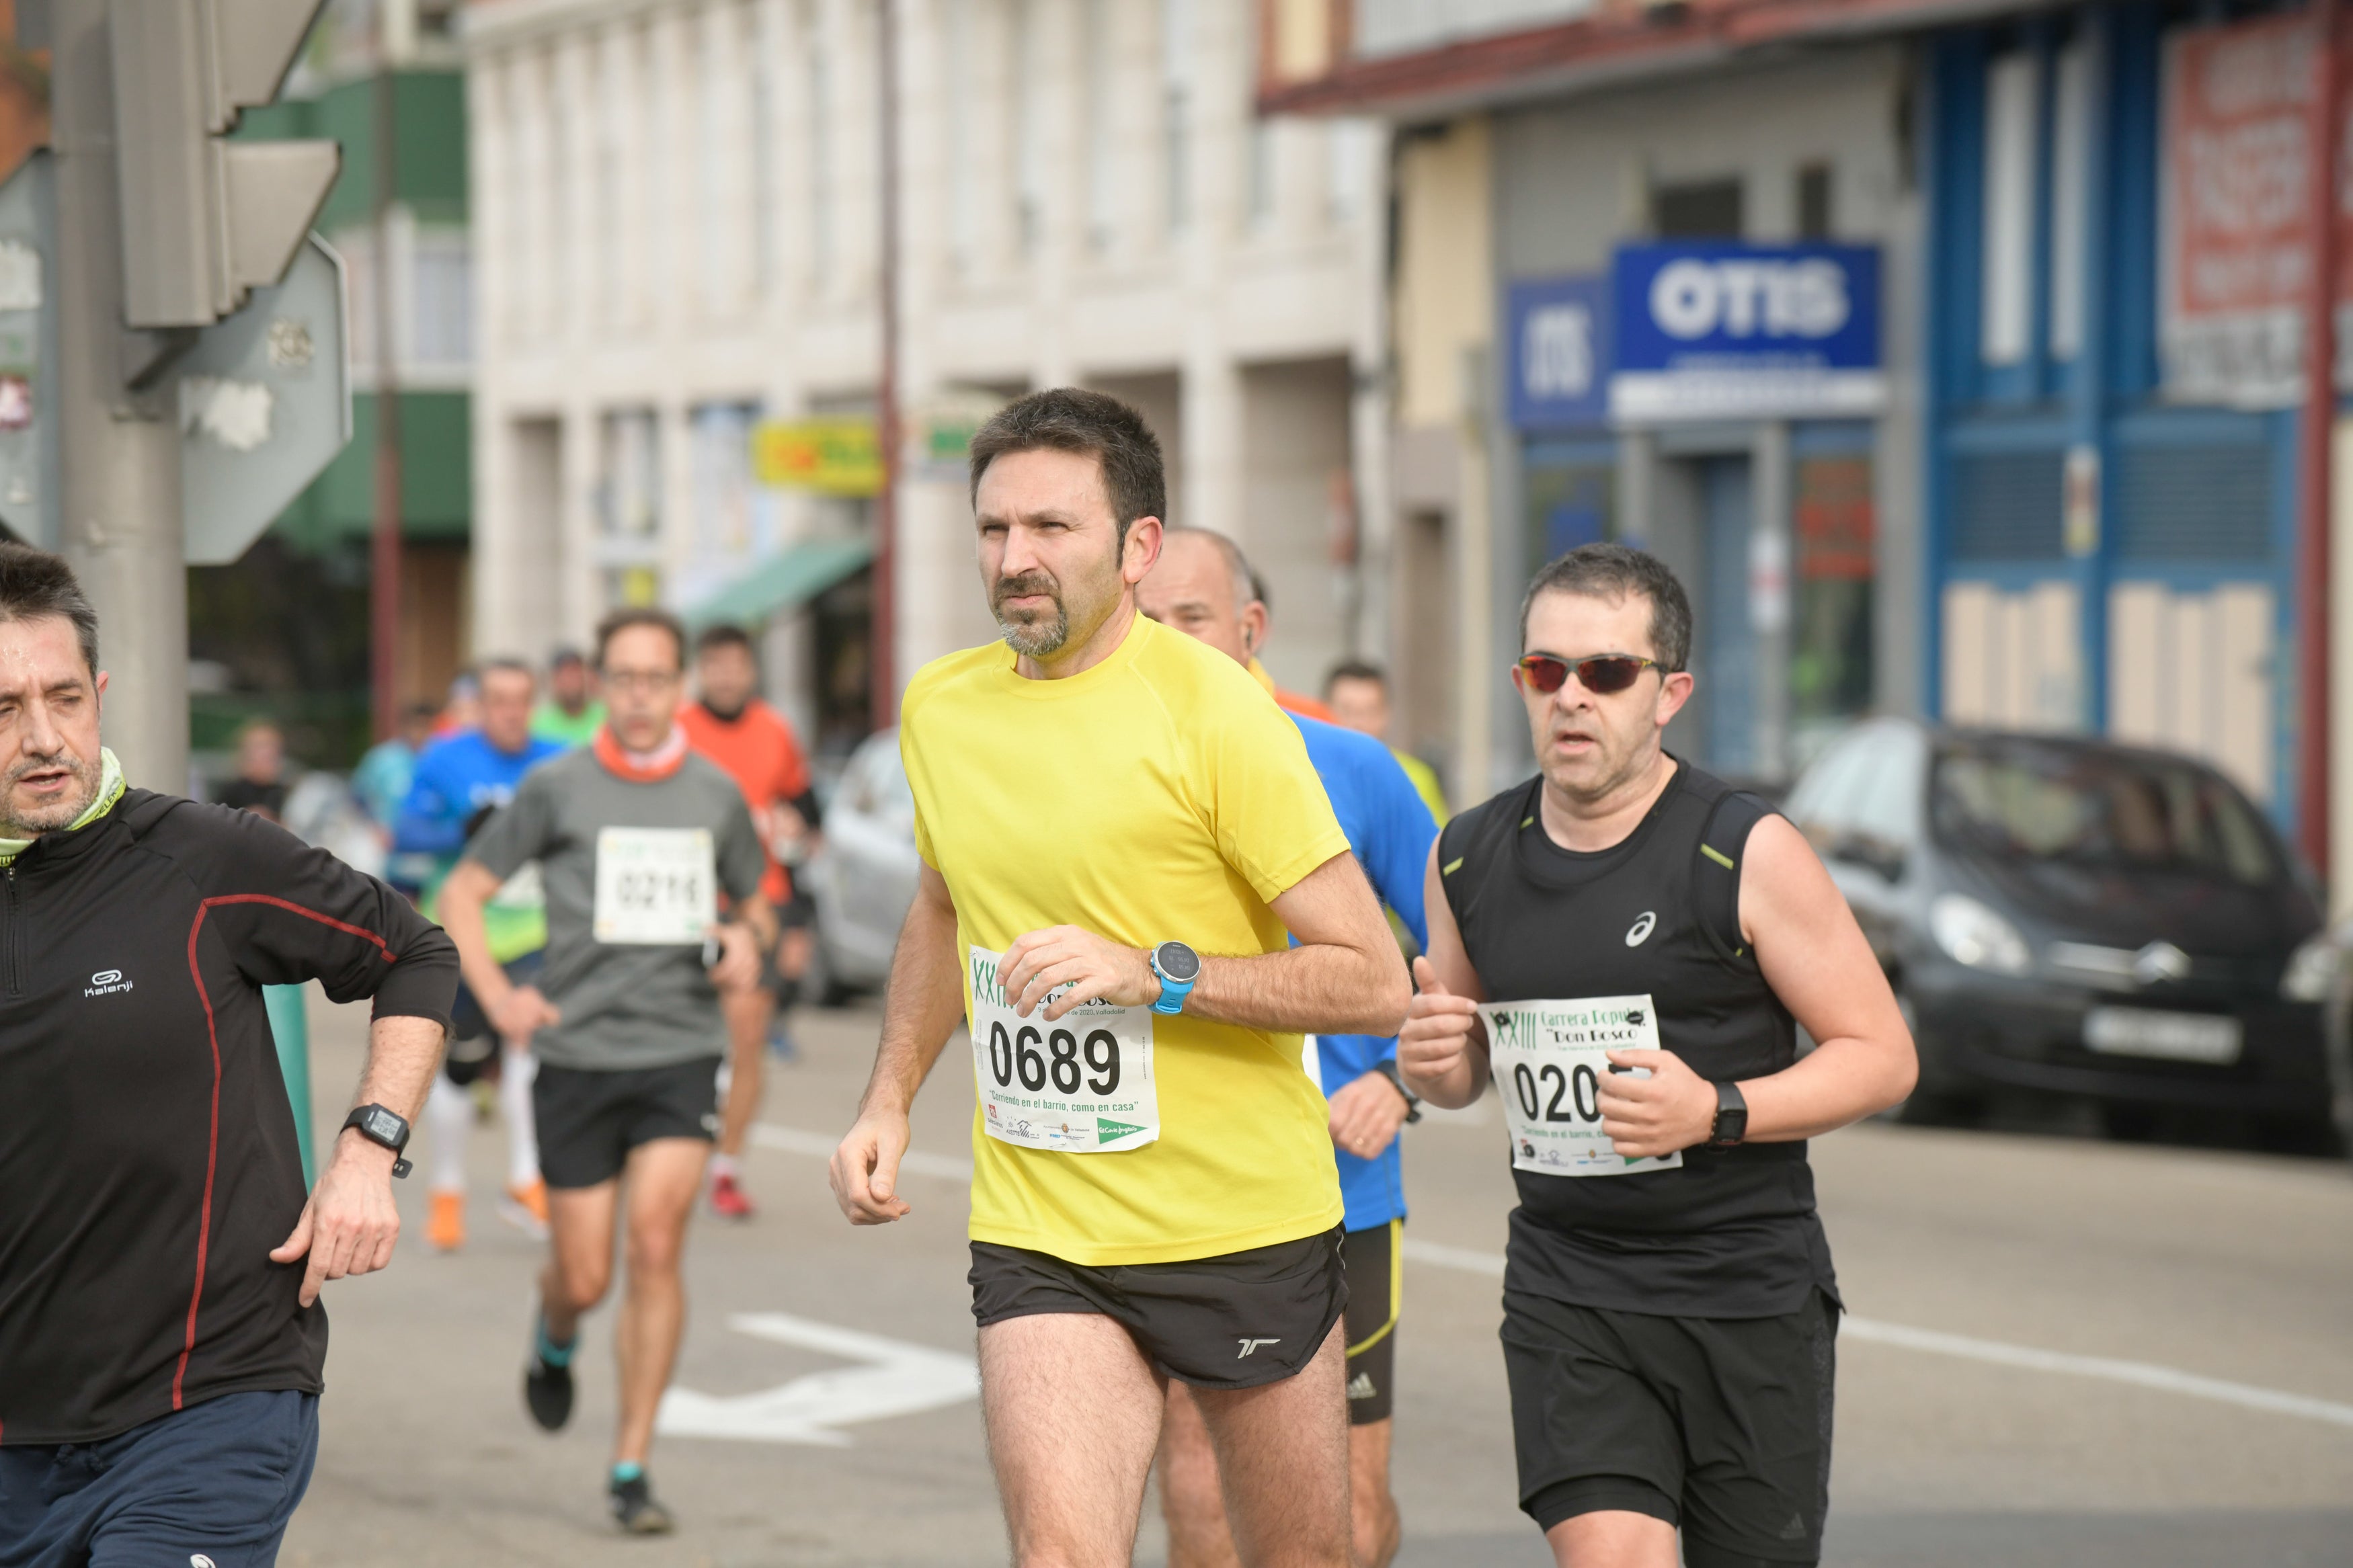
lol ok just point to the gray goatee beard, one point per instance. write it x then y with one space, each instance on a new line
1033 638
53 818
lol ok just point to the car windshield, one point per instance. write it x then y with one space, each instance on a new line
2022 800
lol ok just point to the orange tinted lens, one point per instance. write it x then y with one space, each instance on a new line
1545 674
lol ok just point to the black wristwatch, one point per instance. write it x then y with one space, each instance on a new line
1731 1117
1412 1100
378 1124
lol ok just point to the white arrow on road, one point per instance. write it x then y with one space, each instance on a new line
897 1379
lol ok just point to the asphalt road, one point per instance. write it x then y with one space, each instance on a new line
2062 1353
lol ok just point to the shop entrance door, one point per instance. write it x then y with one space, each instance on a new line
1723 642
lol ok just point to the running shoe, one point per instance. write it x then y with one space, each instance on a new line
781 1044
547 1387
525 1208
445 1226
634 1508
727 1199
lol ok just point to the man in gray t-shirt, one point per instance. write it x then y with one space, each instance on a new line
641 845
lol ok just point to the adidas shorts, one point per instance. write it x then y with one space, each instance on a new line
1376 1281
1235 1320
1721 1427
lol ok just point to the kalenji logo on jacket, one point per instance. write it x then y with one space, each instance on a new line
105 982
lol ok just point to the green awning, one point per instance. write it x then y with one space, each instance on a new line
784 581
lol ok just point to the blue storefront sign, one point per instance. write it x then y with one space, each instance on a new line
1556 332
1726 330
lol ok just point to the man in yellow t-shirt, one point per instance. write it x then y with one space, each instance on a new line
1118 828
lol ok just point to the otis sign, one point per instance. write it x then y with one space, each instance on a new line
1726 330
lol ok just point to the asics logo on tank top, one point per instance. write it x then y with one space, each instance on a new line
1640 931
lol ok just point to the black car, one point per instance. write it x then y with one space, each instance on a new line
2068 916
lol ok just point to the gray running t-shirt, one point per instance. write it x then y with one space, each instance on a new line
624 1006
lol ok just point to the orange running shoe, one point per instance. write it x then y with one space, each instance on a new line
525 1208
445 1227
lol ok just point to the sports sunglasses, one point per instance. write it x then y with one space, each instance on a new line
1601 674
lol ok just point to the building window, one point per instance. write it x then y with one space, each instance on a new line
1176 108
1699 209
734 522
2070 148
1814 218
629 512
1835 521
1350 147
2007 302
442 330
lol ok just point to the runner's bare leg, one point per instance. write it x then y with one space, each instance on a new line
1373 1510
663 1177
1073 1415
1189 1494
1613 1537
579 1254
1282 1451
748 1014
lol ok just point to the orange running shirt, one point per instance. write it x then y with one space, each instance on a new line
759 750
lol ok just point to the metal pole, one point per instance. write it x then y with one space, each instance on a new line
384 544
120 487
2317 431
884 624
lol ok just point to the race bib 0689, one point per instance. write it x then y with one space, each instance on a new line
1549 1059
1079 1085
655 886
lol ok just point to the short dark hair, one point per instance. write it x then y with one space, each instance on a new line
1354 669
1073 419
565 654
1612 571
727 634
510 664
34 582
621 620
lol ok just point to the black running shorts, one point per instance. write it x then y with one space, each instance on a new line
473 1047
1375 1285
588 1121
1721 1427
1231 1322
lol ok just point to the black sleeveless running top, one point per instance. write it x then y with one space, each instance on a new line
1732 1232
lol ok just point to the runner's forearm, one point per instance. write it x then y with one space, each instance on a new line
1840 1082
921 1007
403 1054
1325 989
468 887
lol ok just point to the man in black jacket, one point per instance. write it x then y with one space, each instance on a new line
161 1336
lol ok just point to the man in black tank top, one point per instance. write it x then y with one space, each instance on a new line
1625 945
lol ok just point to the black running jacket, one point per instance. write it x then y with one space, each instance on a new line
148 1161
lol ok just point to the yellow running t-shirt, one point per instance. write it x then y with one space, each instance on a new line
1159 796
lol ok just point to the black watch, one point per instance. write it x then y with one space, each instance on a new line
1412 1100
379 1124
1731 1117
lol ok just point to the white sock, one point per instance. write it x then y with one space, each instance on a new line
519 1068
450 1112
721 1165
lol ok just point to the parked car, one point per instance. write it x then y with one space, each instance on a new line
2072 916
864 879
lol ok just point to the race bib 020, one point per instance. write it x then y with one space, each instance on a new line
655 886
1549 1059
1079 1085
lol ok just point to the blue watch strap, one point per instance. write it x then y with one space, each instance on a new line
1173 993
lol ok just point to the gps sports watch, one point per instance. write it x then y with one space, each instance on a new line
1731 1117
1179 969
379 1124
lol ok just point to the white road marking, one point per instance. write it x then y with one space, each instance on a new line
1463 1259
897 1379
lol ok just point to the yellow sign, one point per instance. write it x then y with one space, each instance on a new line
837 457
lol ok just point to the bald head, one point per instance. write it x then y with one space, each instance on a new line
1201 586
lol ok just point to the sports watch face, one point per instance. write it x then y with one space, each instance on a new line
383 1127
1177 962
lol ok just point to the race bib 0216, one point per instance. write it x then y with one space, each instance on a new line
655 886
1079 1085
1549 1059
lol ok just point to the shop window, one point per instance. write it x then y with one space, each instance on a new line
2008 506
2070 139
1814 201
1699 209
2008 303
1836 524
2193 502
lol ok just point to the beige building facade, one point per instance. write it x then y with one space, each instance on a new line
677 232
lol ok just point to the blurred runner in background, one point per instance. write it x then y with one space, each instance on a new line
459 781
571 715
1358 693
755 744
380 784
259 784
1289 701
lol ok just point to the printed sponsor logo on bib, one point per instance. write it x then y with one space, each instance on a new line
655 886
1080 1085
1549 1059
